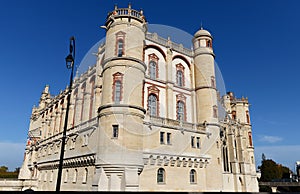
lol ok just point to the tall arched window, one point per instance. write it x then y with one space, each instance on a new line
117 94
120 47
161 175
180 111
193 176
152 105
152 69
179 78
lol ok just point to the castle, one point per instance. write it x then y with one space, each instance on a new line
144 117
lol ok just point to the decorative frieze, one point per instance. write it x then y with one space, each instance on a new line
175 161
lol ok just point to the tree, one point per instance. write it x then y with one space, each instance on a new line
269 170
3 169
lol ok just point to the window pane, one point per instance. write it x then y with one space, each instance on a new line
120 48
180 111
168 138
179 78
193 176
162 134
160 175
117 91
152 104
115 131
152 70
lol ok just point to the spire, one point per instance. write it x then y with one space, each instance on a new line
201 27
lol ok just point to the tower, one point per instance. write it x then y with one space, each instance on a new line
206 104
205 84
121 112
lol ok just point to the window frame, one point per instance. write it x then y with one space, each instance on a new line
161 176
117 78
162 138
153 59
120 38
151 106
180 81
193 176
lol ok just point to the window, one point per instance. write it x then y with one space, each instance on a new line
152 69
168 138
247 117
153 65
153 99
115 131
162 139
92 82
180 75
193 141
161 175
120 43
193 177
179 78
180 111
120 48
225 159
233 115
198 142
250 138
117 91
152 105
117 87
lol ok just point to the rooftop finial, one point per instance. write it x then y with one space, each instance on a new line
201 26
116 6
129 5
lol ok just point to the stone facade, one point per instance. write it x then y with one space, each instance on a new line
145 117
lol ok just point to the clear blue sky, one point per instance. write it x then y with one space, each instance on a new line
256 45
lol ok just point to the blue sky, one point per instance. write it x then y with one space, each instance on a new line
256 45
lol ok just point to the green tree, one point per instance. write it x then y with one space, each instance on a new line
269 170
3 169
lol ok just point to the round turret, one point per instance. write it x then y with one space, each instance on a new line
203 39
202 32
205 82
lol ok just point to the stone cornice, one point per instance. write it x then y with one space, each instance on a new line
85 160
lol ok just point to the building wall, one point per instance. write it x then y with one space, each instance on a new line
97 159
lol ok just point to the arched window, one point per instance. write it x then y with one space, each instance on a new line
117 94
152 69
180 111
120 47
193 176
161 175
247 117
152 105
179 78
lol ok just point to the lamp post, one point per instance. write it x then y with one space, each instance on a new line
70 65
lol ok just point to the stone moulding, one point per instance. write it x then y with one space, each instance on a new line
175 160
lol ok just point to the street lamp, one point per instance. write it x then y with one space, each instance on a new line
70 65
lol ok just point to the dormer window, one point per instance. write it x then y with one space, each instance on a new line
120 43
